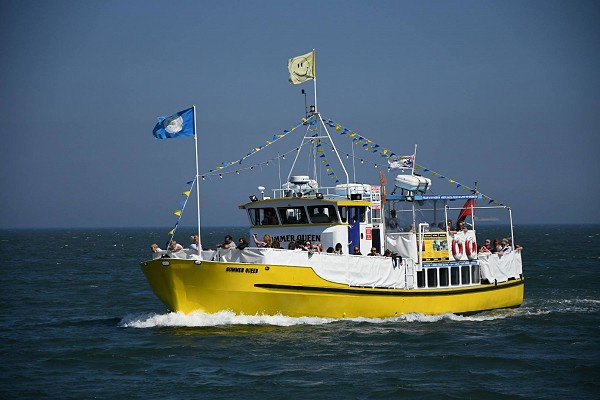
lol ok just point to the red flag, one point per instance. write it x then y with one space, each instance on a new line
467 210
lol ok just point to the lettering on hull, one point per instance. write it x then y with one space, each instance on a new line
242 270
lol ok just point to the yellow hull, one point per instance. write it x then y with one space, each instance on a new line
211 286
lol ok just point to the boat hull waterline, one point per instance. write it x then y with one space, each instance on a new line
210 286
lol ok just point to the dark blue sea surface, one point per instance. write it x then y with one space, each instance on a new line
79 321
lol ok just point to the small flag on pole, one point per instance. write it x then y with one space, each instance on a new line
466 210
177 125
302 68
403 162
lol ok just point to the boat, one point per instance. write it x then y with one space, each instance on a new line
421 263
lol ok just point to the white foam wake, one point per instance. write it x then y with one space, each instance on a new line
224 318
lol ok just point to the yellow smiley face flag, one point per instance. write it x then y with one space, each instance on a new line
302 68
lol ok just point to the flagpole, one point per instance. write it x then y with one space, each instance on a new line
414 161
315 78
199 247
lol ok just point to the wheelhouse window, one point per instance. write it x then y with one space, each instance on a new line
263 216
322 214
353 211
293 215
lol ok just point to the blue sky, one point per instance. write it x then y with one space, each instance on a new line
503 93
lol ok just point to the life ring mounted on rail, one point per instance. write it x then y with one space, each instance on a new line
471 249
458 249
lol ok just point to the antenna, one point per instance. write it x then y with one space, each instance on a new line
305 109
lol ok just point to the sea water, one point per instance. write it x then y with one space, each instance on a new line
80 321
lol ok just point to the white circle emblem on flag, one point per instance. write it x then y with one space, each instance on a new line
173 124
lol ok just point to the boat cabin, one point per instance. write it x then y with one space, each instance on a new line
318 217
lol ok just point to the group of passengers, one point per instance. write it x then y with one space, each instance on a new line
499 247
266 242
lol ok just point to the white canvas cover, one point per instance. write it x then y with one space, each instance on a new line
403 243
500 268
347 269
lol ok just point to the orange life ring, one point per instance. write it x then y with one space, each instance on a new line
457 249
471 249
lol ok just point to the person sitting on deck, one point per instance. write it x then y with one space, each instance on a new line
174 247
227 244
243 243
338 249
506 247
487 247
496 246
357 251
194 245
449 226
266 242
373 252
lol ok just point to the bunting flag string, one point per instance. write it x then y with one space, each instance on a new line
393 160
182 203
255 150
396 161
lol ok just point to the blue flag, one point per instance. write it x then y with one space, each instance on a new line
176 125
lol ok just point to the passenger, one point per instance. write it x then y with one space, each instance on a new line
411 228
373 252
459 226
276 244
338 249
308 246
270 218
392 222
496 246
242 244
487 247
194 245
292 245
357 251
330 250
175 247
266 242
449 226
506 247
227 244
320 216
155 249
387 253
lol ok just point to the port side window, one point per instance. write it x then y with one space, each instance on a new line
293 215
263 216
322 214
254 214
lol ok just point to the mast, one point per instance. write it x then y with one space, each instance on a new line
199 249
